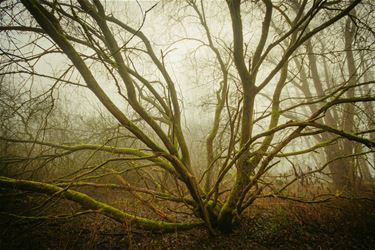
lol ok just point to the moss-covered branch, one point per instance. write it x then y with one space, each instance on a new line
127 187
103 148
92 204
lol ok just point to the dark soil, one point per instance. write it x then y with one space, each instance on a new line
269 224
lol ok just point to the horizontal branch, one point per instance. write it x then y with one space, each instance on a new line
92 204
344 134
297 199
103 148
48 217
163 196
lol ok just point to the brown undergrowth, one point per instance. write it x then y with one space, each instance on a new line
271 223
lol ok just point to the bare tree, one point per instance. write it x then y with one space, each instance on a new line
108 56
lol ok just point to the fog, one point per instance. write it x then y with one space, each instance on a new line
195 109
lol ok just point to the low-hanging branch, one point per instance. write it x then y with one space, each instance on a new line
89 203
97 147
159 195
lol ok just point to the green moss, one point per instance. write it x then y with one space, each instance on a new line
90 203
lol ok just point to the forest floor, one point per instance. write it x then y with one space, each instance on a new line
269 224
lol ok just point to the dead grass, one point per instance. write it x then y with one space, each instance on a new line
269 224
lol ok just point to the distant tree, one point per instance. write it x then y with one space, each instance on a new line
319 77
